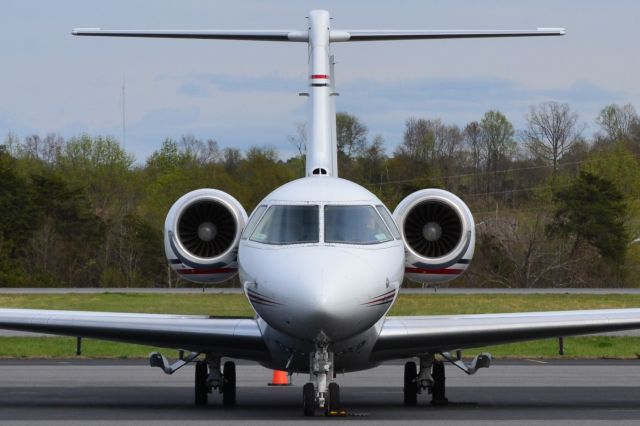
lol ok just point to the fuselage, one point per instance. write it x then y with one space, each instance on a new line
319 261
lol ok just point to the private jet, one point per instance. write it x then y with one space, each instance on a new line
321 261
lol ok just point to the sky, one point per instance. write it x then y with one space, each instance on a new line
245 94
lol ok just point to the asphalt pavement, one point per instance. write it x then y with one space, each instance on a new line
128 392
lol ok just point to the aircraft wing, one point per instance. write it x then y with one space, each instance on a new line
232 337
403 337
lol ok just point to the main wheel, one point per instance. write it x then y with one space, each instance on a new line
229 383
410 384
334 397
309 399
202 371
438 396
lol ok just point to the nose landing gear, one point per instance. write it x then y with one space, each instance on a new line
321 394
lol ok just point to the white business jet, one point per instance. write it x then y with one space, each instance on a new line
321 260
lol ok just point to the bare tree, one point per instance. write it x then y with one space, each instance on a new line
231 158
552 129
351 135
426 141
374 159
419 140
199 152
617 121
299 139
498 143
472 137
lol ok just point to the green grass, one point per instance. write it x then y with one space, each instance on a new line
186 304
65 347
445 304
582 347
237 305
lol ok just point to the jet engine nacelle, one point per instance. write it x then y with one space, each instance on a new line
201 235
439 235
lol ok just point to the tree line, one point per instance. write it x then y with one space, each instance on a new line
553 206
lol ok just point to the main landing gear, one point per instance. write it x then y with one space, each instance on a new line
321 394
208 377
432 375
431 378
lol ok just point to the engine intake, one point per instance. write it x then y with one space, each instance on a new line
206 228
433 229
202 232
439 235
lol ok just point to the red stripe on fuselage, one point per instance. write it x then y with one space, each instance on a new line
434 271
207 271
321 76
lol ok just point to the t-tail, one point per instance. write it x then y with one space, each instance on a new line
322 146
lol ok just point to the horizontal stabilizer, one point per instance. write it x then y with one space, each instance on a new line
379 35
301 36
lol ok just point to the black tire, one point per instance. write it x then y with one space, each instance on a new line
202 392
229 384
439 384
334 397
309 400
410 384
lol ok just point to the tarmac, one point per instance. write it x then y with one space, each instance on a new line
100 392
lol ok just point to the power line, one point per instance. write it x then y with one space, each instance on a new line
482 173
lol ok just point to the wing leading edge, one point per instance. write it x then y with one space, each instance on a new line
232 337
403 337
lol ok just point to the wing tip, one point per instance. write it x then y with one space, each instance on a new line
80 31
558 31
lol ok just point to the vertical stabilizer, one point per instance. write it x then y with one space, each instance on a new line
322 146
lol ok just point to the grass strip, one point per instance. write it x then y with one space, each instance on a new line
582 347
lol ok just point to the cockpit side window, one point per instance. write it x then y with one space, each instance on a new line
257 214
354 225
288 225
389 221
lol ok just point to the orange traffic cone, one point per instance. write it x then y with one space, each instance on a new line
280 378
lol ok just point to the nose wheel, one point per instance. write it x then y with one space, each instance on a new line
309 399
332 401
320 394
334 398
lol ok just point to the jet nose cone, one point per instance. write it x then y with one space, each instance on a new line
331 295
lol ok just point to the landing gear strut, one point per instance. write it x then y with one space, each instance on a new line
320 394
208 377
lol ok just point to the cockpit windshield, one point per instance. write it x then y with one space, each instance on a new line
354 225
288 225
